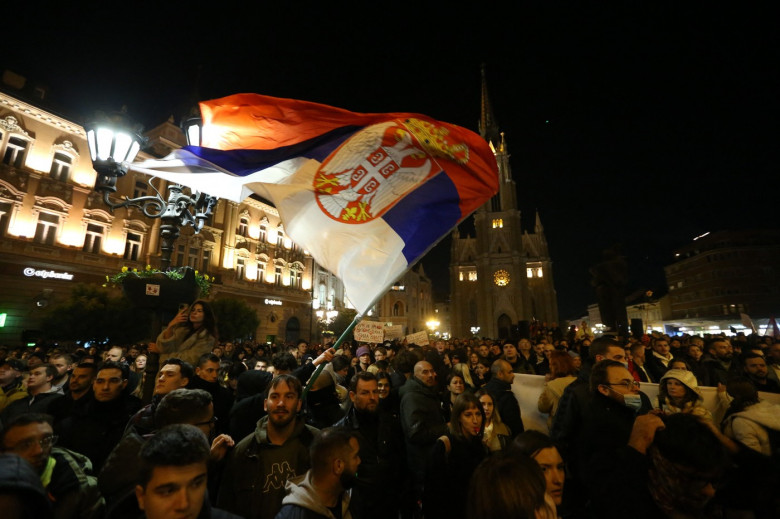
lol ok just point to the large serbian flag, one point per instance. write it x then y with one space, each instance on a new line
366 194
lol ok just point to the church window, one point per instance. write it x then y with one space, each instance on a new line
498 223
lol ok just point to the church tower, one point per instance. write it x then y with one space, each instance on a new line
501 278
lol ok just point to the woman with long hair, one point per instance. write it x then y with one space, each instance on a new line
189 335
562 373
463 369
678 392
497 434
453 460
455 387
541 448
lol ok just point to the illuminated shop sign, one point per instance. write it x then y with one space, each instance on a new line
47 274
273 302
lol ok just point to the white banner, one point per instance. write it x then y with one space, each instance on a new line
419 338
394 332
369 331
527 389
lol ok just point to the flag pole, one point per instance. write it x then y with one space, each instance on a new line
335 346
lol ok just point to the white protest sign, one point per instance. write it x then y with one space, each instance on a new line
419 338
394 332
369 331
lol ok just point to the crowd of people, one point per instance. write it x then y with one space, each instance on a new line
188 426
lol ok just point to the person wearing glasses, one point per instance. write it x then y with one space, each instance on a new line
65 474
609 417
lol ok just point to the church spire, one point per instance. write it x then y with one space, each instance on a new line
488 127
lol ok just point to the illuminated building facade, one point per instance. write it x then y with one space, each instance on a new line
55 231
408 303
501 279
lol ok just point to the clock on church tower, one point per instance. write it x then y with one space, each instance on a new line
501 278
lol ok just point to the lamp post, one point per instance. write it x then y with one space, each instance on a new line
114 141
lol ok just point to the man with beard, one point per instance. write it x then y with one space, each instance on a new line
257 469
382 473
324 490
755 368
717 366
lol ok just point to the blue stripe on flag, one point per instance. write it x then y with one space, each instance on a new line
425 215
243 162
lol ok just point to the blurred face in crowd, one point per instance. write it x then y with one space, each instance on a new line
425 373
473 359
32 442
440 347
487 407
196 315
114 354
173 491
366 396
547 349
675 388
678 364
552 465
524 345
510 352
169 378
505 372
471 421
661 347
261 365
756 367
695 352
482 369
282 405
484 350
8 374
615 353
61 365
456 386
81 380
38 380
383 385
140 362
33 361
620 383
723 350
108 384
208 371
774 354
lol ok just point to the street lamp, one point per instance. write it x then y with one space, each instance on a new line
114 141
432 325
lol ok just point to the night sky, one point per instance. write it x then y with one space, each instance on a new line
639 126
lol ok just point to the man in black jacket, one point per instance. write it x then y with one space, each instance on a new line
500 387
382 470
422 420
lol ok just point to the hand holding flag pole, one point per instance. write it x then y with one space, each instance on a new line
335 347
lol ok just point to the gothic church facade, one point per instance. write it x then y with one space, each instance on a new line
501 279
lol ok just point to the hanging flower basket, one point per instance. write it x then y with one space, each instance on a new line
157 289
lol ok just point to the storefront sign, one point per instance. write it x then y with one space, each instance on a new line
273 302
47 274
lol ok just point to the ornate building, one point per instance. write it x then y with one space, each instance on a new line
56 232
408 303
501 279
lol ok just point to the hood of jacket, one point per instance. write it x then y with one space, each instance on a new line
685 377
300 492
764 413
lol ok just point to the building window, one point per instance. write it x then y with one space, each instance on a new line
278 275
261 265
5 217
93 239
279 237
263 232
243 226
192 258
132 246
206 260
140 189
295 278
46 231
14 152
240 268
398 309
60 167
498 223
